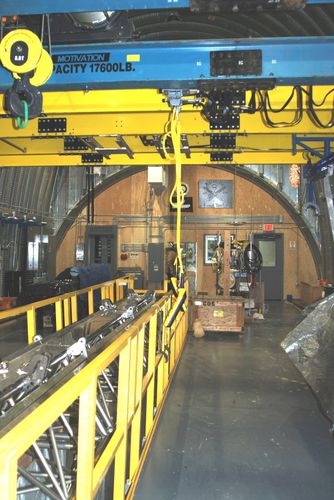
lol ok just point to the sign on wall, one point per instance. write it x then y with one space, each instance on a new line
215 194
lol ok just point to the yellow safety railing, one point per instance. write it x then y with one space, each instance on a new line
66 305
140 395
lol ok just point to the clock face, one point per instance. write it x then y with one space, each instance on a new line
215 194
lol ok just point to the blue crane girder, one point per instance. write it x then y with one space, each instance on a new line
24 7
186 65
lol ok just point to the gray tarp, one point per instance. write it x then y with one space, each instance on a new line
310 346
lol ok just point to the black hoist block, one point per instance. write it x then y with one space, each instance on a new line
20 91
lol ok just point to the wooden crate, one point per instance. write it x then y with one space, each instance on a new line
310 293
218 314
7 303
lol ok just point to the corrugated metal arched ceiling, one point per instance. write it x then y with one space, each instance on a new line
313 20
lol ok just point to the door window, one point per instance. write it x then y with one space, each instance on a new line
268 251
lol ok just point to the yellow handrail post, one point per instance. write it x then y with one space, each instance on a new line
135 430
74 308
90 301
86 442
31 324
122 421
67 317
151 372
8 477
59 315
166 341
112 292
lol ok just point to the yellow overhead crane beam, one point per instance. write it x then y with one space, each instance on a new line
104 114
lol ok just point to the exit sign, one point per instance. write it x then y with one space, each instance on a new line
268 227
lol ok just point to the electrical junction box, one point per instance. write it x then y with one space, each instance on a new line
157 175
156 257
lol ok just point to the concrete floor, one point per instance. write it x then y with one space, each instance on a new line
239 423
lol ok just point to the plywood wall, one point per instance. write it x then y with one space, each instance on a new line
133 197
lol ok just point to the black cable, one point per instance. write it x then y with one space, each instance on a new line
298 114
312 113
318 105
284 105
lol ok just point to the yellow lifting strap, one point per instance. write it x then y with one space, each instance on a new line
173 131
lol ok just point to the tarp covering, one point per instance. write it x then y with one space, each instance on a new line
310 346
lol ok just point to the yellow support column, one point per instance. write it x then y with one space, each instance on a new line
160 380
166 343
90 294
59 315
135 430
74 308
8 478
112 293
122 422
67 317
151 373
31 324
86 442
133 373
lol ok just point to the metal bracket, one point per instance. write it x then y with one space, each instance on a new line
155 141
72 143
174 98
46 125
91 158
221 156
78 349
302 142
222 141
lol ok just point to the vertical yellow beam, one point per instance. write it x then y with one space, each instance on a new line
117 291
90 301
8 478
166 341
67 317
133 373
122 422
59 315
103 292
31 324
160 380
151 372
112 292
74 308
172 352
135 430
86 442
